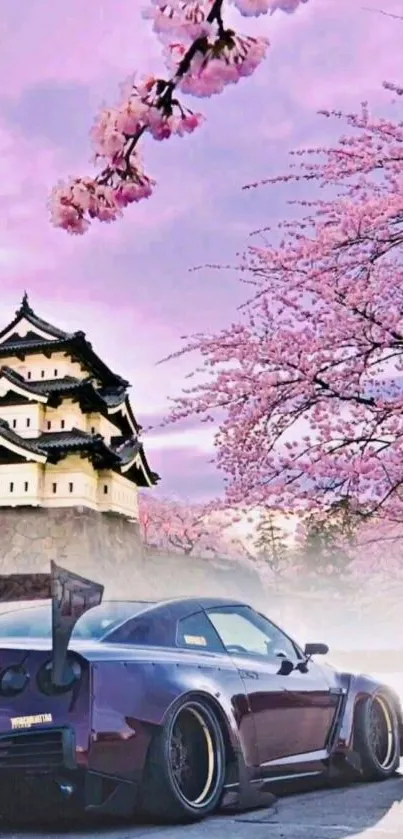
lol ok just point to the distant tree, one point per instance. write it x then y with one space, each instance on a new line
327 541
186 528
271 548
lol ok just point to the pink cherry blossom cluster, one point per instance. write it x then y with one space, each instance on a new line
378 548
184 19
76 203
203 57
138 112
176 525
307 388
212 71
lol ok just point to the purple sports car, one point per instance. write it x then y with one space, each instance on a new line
175 708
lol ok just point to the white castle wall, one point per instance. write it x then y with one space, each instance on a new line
73 482
36 367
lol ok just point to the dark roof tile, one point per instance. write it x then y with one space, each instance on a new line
23 442
26 313
113 396
65 439
51 385
14 346
127 450
67 385
15 378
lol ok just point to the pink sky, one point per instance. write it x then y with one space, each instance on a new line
128 285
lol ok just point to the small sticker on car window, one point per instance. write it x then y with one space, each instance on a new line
195 640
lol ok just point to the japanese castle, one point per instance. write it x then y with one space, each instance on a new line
68 435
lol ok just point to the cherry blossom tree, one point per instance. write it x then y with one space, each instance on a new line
203 56
307 387
378 550
187 528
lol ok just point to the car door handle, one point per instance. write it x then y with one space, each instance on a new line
248 674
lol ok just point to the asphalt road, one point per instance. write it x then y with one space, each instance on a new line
373 811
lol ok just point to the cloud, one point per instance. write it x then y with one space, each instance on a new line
153 422
83 43
199 438
335 68
26 167
186 473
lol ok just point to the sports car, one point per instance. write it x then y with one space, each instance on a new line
174 709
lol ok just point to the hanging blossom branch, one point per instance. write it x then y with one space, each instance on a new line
382 12
205 57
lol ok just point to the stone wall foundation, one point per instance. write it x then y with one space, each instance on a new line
107 548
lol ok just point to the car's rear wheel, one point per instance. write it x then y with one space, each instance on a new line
185 771
376 737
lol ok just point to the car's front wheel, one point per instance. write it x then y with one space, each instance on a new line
376 737
185 771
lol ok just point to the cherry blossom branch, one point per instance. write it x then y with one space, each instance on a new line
205 57
320 344
384 13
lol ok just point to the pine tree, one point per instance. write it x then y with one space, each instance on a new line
326 549
270 544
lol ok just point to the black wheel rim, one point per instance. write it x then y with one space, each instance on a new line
194 757
381 732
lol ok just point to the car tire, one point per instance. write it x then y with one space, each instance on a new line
185 769
376 737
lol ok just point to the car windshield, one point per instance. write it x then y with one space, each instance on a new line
36 621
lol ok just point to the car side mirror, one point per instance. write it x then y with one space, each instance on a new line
315 649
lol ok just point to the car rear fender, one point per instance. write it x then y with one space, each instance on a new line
131 698
226 720
360 687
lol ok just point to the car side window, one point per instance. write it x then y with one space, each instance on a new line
244 631
145 631
195 632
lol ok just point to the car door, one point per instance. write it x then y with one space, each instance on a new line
293 713
215 669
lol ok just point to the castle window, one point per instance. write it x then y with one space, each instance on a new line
71 487
62 423
55 372
26 486
105 489
29 374
92 429
11 487
54 488
49 424
14 423
28 422
42 374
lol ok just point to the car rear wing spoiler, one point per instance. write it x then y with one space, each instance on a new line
71 596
